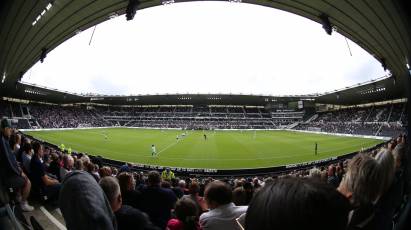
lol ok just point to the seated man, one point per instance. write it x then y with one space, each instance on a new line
68 164
43 183
223 212
157 202
127 217
12 174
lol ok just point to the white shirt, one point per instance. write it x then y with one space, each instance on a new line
153 149
222 217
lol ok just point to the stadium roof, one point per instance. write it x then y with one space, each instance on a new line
30 28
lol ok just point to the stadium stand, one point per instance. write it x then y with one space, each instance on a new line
385 120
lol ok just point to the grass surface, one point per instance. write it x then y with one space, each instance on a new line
221 150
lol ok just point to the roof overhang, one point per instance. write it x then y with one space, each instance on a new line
382 28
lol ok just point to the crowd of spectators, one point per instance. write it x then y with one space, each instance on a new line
388 120
364 192
52 116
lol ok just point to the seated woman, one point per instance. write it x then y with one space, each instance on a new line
186 216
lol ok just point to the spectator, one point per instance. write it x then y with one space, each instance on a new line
127 217
315 173
194 194
127 186
182 185
90 168
15 141
42 182
361 185
25 154
157 202
68 164
332 178
391 189
84 205
239 196
55 164
295 203
385 159
11 173
78 165
176 189
249 191
222 212
104 171
186 216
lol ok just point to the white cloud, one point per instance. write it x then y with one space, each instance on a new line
206 47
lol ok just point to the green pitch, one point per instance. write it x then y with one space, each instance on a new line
221 150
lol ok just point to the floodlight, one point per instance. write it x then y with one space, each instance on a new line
384 65
43 54
326 23
131 9
3 79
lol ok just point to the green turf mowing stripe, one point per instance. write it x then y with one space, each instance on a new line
221 150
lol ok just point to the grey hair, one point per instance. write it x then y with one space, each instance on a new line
110 187
363 179
315 173
387 165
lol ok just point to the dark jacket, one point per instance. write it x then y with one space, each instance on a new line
84 205
10 173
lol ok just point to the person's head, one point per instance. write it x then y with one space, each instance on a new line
89 167
386 163
194 188
38 149
296 203
68 162
187 212
315 173
182 184
126 182
248 187
27 148
239 196
217 193
104 171
361 183
14 140
111 188
78 165
153 178
5 128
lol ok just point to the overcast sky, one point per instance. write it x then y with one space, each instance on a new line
206 47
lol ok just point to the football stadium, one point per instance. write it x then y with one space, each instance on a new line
110 124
